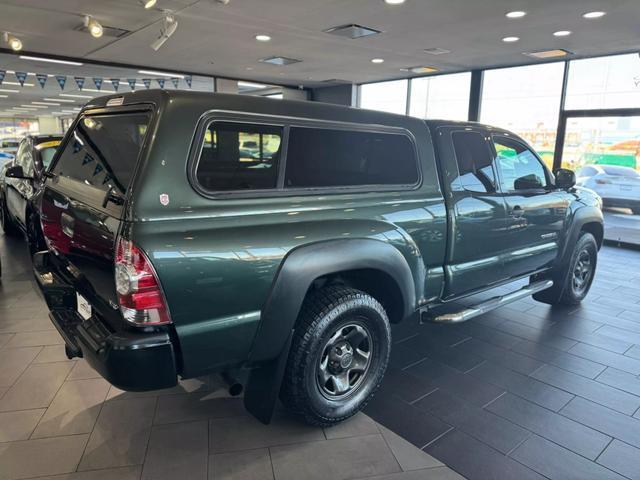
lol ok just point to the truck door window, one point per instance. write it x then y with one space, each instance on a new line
519 168
475 161
239 156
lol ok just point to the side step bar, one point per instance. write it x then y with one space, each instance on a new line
491 304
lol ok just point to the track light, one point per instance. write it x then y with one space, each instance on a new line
147 4
91 24
169 25
14 42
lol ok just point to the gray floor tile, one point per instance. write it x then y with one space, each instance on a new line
121 473
196 406
621 380
82 371
48 456
28 324
349 458
120 435
589 389
622 458
605 420
558 463
36 387
244 433
438 473
611 359
192 385
408 456
14 361
245 465
550 425
177 451
19 425
74 409
357 425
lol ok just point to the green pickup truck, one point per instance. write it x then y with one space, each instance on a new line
174 252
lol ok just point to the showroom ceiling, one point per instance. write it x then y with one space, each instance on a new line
217 39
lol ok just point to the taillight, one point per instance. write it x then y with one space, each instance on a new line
139 294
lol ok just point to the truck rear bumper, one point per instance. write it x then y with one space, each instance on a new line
130 360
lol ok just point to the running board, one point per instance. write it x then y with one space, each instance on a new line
491 304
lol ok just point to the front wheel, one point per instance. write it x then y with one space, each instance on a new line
338 356
572 283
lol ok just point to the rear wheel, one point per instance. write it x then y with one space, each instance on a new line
572 283
338 356
8 226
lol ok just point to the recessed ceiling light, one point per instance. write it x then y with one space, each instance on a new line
263 38
17 84
8 90
510 39
161 74
50 60
421 69
55 104
515 14
147 4
352 30
436 51
594 14
548 53
377 60
244 84
394 2
279 60
562 33
59 100
4 96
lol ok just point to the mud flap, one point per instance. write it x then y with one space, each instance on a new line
263 386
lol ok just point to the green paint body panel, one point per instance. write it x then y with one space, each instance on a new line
218 258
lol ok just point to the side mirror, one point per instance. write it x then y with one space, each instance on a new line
17 172
565 178
527 182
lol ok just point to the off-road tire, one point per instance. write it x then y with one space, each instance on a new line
324 312
564 290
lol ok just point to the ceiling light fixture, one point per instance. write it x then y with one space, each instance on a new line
168 28
72 95
244 84
14 42
50 60
394 2
4 96
147 4
377 60
548 53
594 15
562 33
9 90
94 27
160 74
515 14
55 104
510 39
17 84
263 38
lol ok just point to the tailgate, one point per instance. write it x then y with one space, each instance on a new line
82 203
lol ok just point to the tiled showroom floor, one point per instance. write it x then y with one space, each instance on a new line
522 392
58 416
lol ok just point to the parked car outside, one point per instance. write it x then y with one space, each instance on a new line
18 215
9 146
618 186
169 256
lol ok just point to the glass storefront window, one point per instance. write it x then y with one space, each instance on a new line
385 96
526 101
443 97
604 82
605 154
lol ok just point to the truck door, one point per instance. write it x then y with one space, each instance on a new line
535 210
477 211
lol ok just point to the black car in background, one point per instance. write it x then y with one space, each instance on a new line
20 182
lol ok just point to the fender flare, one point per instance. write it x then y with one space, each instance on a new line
298 270
581 217
303 265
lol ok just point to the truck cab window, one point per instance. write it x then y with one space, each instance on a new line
519 168
475 161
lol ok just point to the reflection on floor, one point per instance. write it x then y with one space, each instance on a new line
621 226
58 416
527 391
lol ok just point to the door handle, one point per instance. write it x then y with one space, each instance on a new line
517 211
